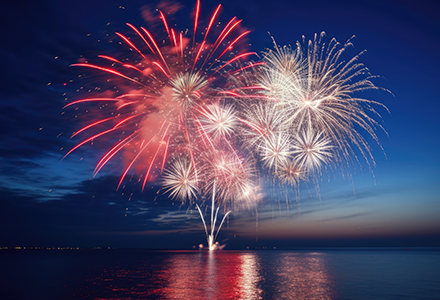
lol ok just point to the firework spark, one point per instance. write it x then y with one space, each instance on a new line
290 173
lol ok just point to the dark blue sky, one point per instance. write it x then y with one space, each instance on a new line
45 202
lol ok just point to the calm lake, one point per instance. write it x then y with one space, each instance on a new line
275 274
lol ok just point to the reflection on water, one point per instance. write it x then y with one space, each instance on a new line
211 275
303 276
138 274
250 279
217 275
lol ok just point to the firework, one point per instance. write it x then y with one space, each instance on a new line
218 122
234 176
311 150
316 92
197 114
308 108
180 180
276 150
290 173
167 108
211 237
262 121
170 89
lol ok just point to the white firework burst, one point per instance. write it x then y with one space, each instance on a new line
180 180
262 121
312 150
281 73
218 122
275 150
321 93
186 88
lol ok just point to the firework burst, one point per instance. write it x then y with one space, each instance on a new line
275 150
234 177
312 150
315 91
186 87
179 180
171 114
168 107
169 88
218 122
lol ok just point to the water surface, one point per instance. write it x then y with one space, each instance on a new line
294 274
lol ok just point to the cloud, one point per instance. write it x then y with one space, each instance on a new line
346 217
89 207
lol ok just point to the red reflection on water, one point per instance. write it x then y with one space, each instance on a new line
213 275
201 275
180 275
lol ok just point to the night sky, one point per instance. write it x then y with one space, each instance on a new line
48 202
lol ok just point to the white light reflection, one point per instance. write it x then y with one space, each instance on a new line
304 276
250 277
